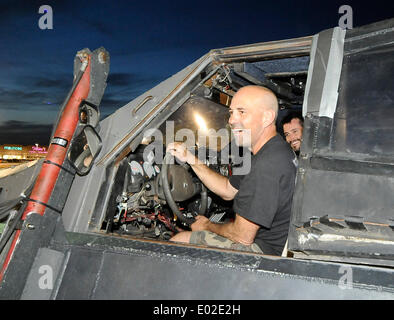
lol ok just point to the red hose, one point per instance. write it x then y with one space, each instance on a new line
49 173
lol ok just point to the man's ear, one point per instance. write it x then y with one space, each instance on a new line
268 117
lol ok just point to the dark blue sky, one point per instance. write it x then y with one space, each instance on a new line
148 41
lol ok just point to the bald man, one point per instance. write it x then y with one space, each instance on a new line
263 197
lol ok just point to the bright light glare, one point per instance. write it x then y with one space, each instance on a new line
200 122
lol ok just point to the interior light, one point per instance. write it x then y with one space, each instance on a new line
200 122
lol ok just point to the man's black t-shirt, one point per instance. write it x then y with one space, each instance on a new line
265 194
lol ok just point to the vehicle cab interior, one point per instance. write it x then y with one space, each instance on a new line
142 202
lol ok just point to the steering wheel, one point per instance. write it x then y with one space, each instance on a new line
182 187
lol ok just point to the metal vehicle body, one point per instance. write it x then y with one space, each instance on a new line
90 243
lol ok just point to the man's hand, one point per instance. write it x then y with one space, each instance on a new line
180 151
200 224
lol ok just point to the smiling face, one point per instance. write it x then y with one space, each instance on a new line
293 133
245 123
252 111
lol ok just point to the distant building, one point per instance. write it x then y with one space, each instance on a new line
12 152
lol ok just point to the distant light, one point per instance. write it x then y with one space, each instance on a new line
12 148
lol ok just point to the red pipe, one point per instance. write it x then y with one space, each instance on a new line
49 173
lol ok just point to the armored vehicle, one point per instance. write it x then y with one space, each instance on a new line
93 219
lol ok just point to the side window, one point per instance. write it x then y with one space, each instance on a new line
364 118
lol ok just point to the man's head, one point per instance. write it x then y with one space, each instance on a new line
253 112
293 126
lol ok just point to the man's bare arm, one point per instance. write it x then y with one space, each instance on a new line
214 181
240 230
